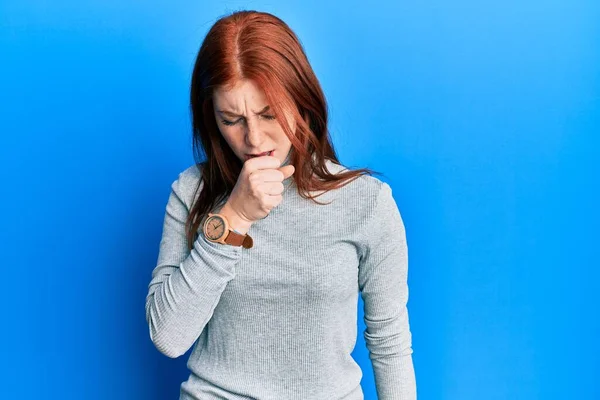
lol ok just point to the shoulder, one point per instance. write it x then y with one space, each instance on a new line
363 188
366 198
187 183
191 174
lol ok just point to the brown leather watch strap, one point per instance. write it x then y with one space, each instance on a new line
237 239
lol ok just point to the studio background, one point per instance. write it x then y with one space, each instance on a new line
482 116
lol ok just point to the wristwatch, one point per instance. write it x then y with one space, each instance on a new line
217 230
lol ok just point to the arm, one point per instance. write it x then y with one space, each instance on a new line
186 286
383 273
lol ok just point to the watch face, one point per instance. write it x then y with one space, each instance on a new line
215 227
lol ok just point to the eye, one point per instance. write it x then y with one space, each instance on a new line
229 123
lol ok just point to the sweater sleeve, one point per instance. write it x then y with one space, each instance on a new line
383 273
186 285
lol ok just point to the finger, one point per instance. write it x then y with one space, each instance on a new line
270 175
263 162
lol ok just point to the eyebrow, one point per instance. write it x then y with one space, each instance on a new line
232 114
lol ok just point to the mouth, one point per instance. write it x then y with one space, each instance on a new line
266 153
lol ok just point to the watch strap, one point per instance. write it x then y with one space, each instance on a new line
234 237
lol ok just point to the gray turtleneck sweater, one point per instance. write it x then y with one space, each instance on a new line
278 321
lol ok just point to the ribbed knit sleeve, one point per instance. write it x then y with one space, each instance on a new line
186 285
383 273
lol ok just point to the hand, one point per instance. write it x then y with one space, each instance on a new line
258 188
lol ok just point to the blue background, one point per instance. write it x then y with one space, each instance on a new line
483 117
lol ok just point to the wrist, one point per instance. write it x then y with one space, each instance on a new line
235 222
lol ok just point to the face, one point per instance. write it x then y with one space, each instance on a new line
247 124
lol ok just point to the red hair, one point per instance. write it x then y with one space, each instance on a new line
260 47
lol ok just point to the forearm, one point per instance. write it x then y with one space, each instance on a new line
395 377
182 298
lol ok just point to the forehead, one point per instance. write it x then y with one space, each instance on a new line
245 91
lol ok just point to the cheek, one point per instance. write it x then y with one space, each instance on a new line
282 136
229 136
291 123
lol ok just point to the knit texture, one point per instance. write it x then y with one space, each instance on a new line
278 321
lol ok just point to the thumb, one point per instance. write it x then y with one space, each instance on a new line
287 170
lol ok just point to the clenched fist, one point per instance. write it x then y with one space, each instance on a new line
257 191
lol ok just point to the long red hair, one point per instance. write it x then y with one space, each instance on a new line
261 47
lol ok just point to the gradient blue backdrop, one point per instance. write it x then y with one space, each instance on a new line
483 117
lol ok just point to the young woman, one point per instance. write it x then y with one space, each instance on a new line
255 273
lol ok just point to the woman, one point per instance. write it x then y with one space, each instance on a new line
260 277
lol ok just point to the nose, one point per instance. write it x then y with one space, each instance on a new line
254 136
